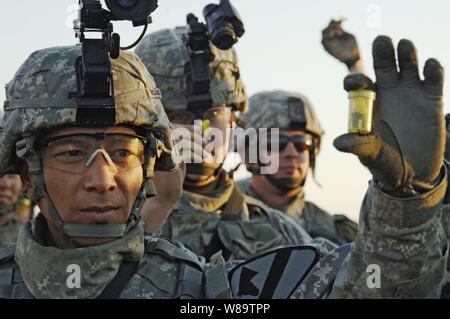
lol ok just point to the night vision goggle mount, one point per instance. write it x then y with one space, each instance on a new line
95 95
223 28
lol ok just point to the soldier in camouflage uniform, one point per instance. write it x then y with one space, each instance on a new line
212 214
299 144
90 183
12 204
400 230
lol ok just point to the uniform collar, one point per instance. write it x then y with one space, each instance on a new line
208 199
50 272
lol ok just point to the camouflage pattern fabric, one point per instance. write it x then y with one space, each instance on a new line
37 100
317 222
165 55
197 218
402 237
320 279
44 268
9 232
166 269
446 225
270 109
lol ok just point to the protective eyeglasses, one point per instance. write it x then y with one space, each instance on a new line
301 142
74 153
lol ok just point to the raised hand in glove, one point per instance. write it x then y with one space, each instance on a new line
405 152
340 44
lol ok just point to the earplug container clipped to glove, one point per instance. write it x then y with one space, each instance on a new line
361 111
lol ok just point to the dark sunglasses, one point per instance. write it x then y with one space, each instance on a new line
301 142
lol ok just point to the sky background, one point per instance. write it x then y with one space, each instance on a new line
280 50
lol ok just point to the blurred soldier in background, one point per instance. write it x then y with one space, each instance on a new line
212 214
342 46
15 209
299 145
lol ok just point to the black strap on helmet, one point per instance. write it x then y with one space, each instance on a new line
95 93
198 79
95 96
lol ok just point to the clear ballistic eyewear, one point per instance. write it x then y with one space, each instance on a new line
74 153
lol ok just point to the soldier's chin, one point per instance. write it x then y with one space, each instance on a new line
92 241
294 175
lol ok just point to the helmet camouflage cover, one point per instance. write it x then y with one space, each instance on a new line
283 110
165 55
38 99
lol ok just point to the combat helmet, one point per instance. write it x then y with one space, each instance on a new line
165 55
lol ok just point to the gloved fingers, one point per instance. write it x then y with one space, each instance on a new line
333 29
366 147
434 77
407 60
384 62
358 81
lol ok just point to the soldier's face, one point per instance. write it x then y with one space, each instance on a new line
96 194
207 145
10 189
293 159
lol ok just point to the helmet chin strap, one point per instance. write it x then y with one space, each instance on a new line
97 230
285 184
